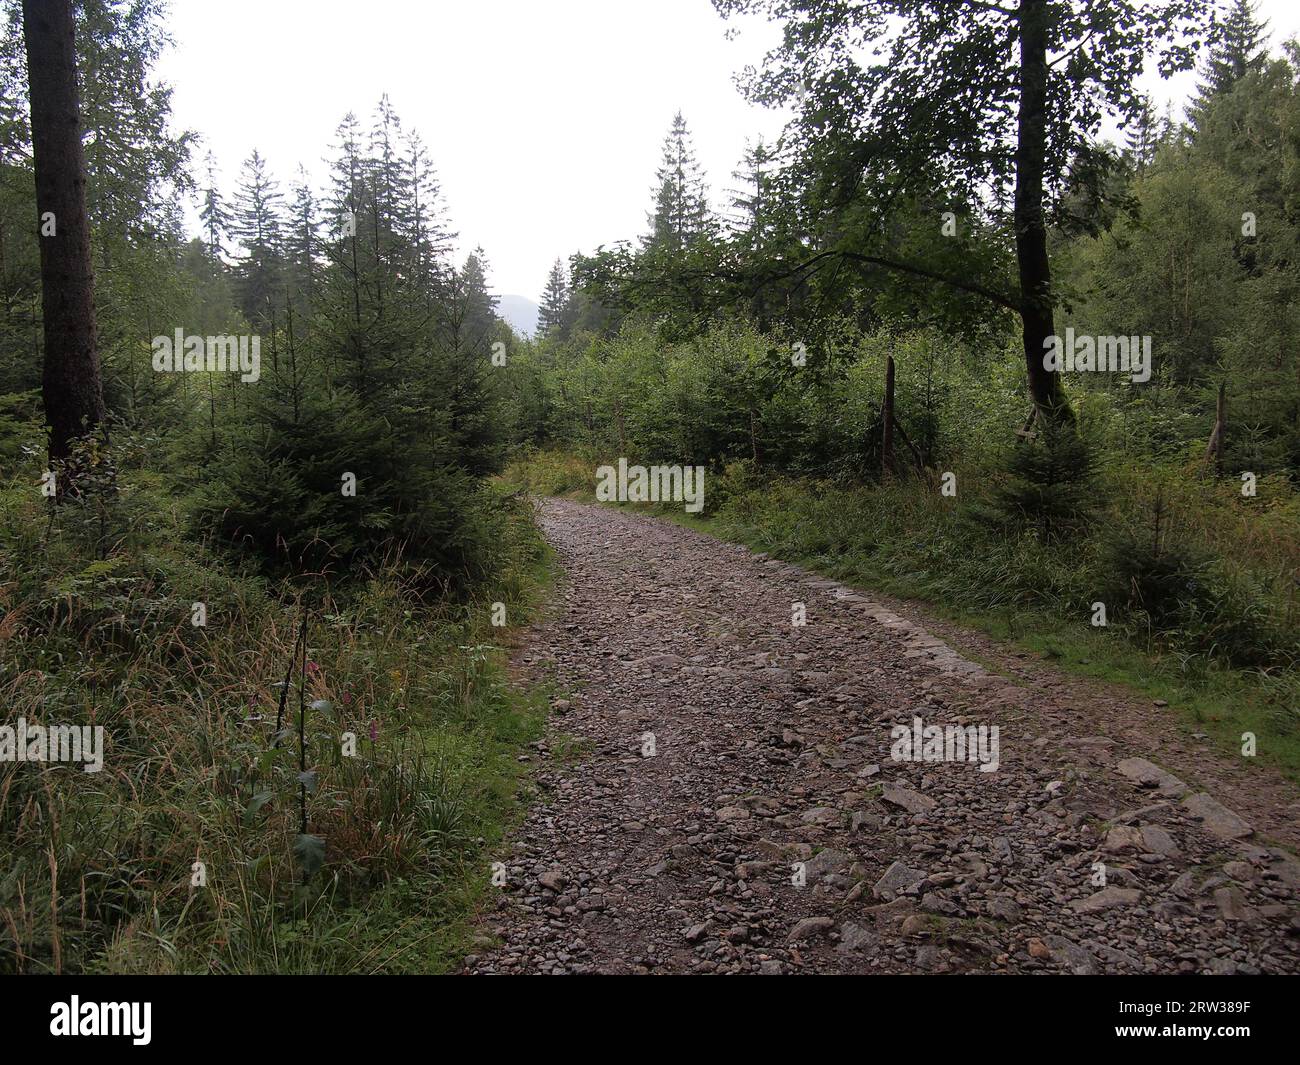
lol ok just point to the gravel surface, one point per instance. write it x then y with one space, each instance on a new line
717 791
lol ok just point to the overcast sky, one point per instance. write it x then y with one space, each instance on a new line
544 118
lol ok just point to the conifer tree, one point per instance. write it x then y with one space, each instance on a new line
258 226
1143 138
751 202
72 389
681 214
301 243
555 299
426 223
213 213
1238 50
471 328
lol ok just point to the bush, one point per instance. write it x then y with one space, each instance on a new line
95 628
1052 488
1177 592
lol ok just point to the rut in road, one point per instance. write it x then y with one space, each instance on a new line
771 831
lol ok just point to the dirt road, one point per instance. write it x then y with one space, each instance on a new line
720 792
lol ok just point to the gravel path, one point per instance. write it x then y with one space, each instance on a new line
717 792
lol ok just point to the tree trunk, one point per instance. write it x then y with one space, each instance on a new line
1031 229
70 383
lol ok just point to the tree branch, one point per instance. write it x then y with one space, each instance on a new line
1001 299
983 6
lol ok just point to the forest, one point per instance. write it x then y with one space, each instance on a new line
269 455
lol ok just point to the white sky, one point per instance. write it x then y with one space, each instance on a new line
544 118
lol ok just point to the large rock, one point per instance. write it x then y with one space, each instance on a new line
1105 899
1149 775
1071 955
825 862
911 801
1216 818
1232 905
1122 838
732 813
854 937
554 879
810 927
1005 908
1285 867
1157 841
899 879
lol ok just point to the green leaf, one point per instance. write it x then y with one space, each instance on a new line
309 851
256 803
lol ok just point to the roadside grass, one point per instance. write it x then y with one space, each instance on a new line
184 854
914 545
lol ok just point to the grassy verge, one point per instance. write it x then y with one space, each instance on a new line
914 544
185 853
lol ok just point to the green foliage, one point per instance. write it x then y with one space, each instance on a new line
193 770
375 368
1052 489
1166 586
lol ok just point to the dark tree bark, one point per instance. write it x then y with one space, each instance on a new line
71 386
1031 228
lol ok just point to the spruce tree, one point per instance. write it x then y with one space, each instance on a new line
426 231
1143 138
213 213
471 328
681 210
71 386
301 246
751 203
258 226
1238 50
550 316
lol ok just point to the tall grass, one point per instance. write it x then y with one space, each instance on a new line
100 871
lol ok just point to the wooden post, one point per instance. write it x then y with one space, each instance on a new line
1214 450
887 423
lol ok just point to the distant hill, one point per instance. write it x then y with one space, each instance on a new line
520 312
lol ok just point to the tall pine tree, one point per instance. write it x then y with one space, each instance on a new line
259 227
1238 50
213 213
681 216
550 316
